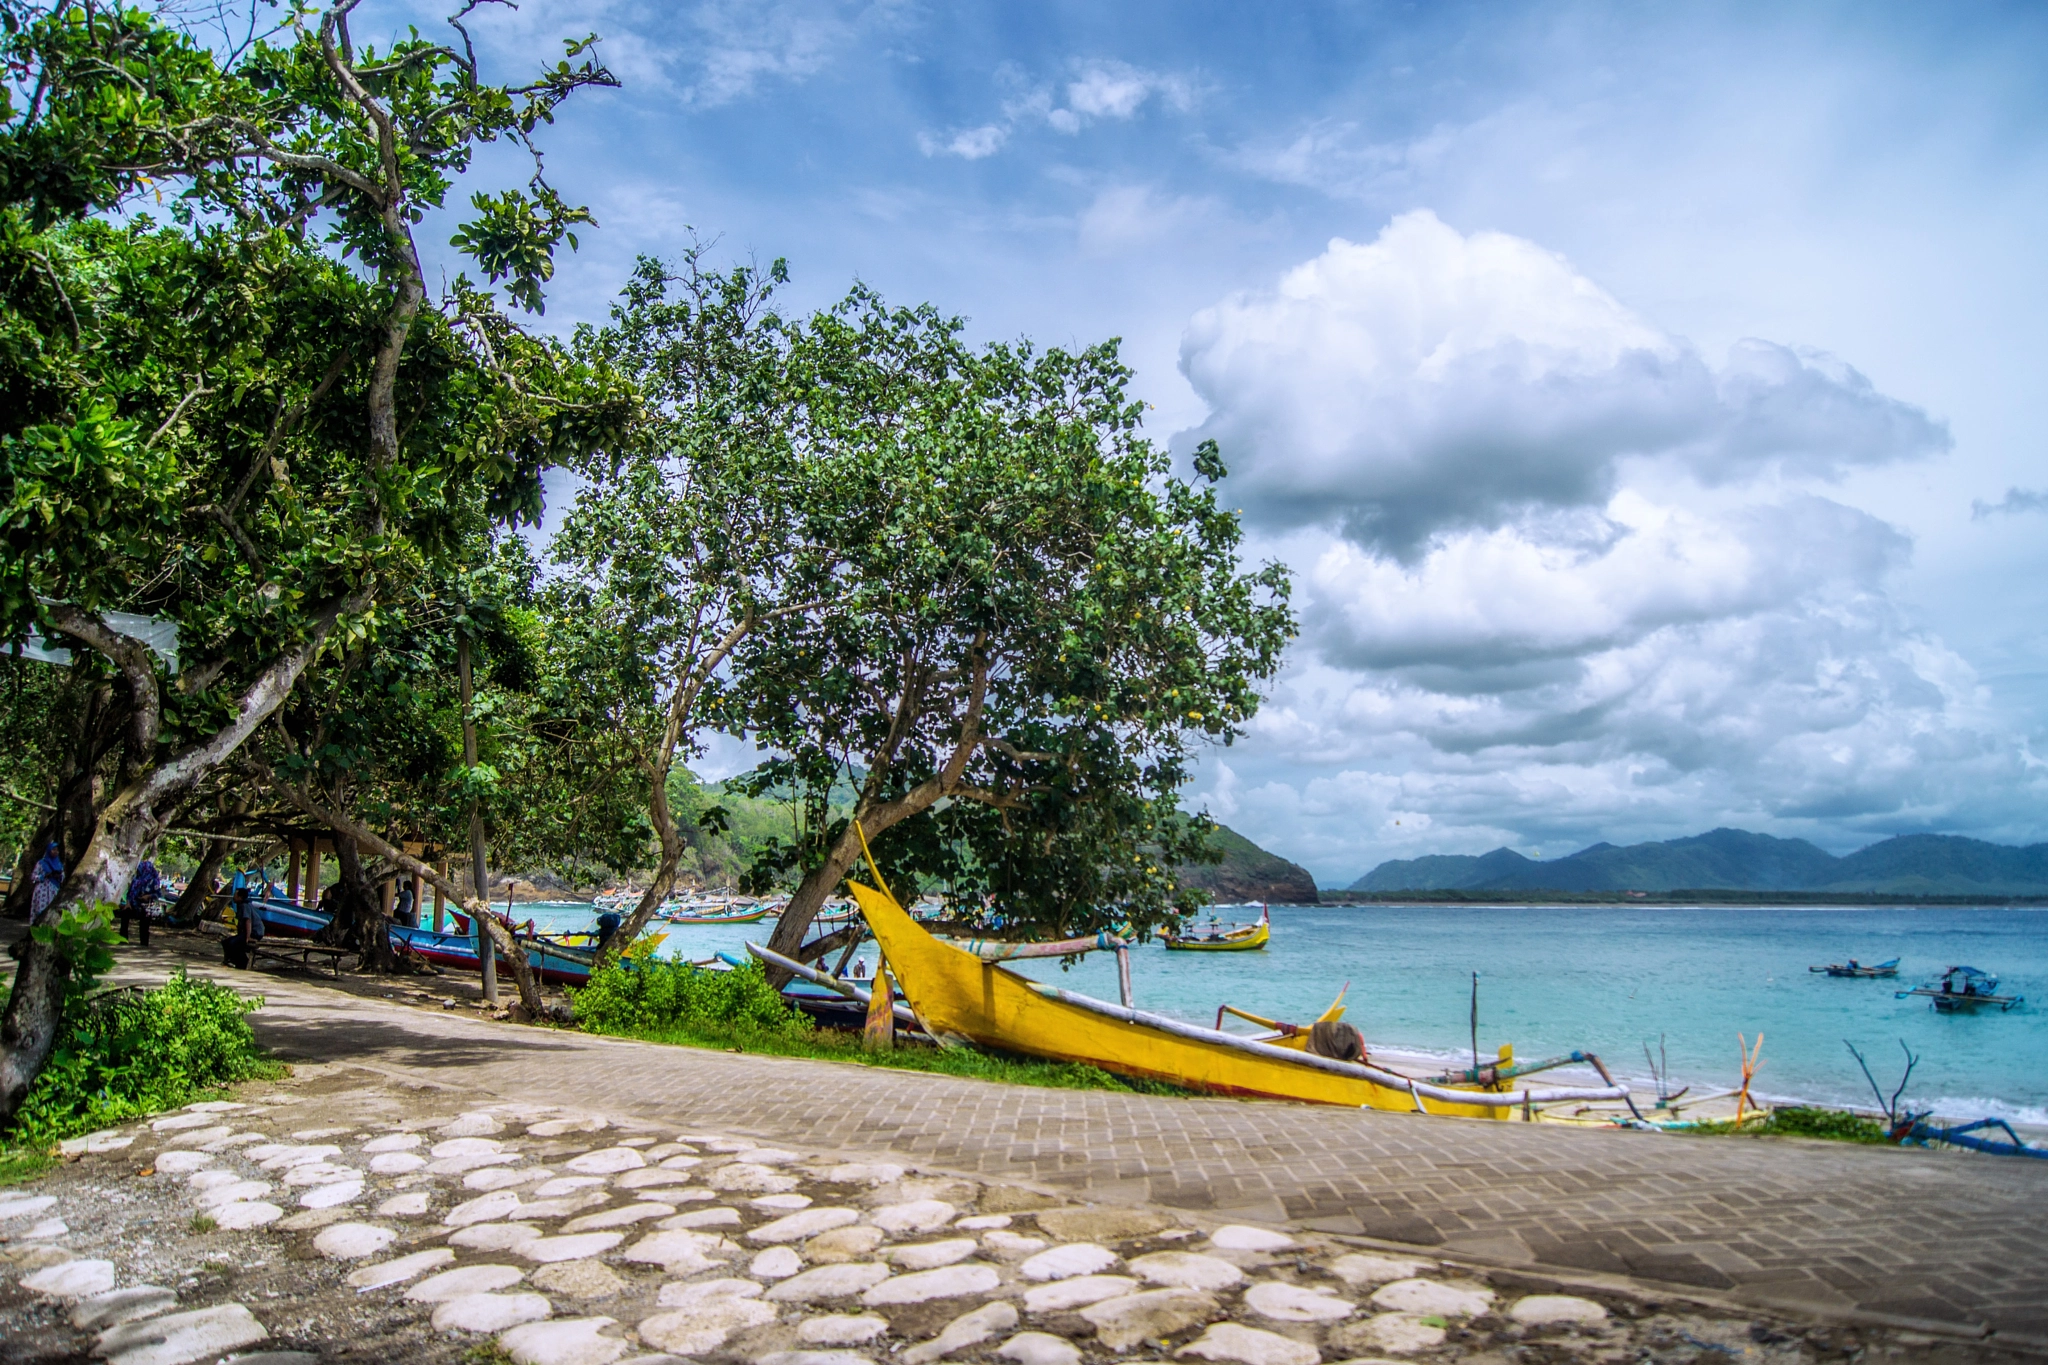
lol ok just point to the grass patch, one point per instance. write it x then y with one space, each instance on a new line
18 1165
1834 1125
203 1224
487 1353
674 1003
126 1054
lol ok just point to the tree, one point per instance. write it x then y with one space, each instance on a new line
250 422
1040 624
704 529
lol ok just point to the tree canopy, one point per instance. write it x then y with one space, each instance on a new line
276 496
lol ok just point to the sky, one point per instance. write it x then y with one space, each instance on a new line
1645 398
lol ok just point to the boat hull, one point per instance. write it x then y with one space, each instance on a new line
1244 941
958 996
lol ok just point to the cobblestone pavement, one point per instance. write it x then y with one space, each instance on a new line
1944 1238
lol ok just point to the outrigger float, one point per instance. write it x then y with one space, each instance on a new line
963 995
1963 989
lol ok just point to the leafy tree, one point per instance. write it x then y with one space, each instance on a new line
707 527
1039 624
254 421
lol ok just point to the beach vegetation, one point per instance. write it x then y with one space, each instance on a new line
739 1010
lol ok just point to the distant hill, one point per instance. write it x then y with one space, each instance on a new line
1249 874
1736 860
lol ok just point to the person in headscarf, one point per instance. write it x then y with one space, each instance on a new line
143 890
48 877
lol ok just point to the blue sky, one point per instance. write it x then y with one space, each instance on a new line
1640 393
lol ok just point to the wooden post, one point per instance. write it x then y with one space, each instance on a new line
292 877
418 887
880 1034
1123 975
439 904
479 879
313 874
387 893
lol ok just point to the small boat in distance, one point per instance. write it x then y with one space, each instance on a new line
1217 937
1854 968
1963 989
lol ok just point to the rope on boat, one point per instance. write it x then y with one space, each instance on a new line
1491 1099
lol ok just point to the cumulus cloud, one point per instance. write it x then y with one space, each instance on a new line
2015 501
1430 382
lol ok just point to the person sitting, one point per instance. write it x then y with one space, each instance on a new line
607 928
239 947
47 879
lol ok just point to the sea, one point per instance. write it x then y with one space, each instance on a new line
1683 982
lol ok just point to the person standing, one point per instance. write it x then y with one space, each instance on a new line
143 890
47 878
403 912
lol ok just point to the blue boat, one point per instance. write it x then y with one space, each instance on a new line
557 964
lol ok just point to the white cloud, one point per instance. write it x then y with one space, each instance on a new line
969 144
1099 90
1431 381
1126 216
741 43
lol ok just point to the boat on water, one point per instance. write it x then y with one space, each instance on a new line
734 915
1964 990
965 997
1859 969
1218 937
558 960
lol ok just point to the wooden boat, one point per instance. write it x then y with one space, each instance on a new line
1857 969
559 962
758 913
1216 937
1964 990
959 997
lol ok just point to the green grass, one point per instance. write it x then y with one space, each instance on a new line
19 1165
1833 1125
828 1045
672 1002
203 1224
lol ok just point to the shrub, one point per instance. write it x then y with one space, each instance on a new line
646 996
1825 1123
126 1053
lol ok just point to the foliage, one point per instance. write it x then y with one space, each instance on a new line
1040 623
84 939
1836 1124
642 993
125 1054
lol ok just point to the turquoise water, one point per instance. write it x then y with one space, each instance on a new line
1607 979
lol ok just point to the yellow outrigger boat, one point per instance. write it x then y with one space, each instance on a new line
960 996
1214 938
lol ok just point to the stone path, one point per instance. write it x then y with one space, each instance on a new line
1939 1237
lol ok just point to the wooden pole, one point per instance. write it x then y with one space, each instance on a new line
880 1034
313 875
440 904
292 877
419 887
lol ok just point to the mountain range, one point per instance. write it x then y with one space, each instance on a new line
1737 860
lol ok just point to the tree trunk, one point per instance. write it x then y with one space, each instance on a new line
356 908
201 884
28 1030
811 893
664 871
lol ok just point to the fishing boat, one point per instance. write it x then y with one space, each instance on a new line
1217 937
738 915
1858 969
963 997
561 961
1964 990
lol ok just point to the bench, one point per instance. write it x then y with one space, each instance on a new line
299 953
